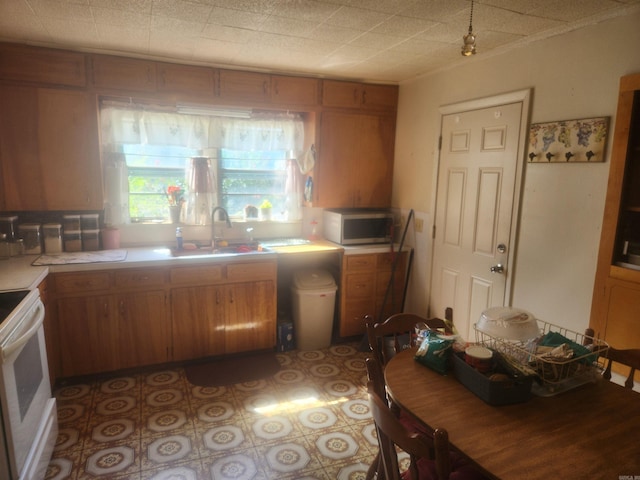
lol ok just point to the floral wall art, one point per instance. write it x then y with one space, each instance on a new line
568 141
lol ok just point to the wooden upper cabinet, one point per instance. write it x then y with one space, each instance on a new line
341 94
294 90
244 87
173 78
616 293
123 73
46 66
359 95
49 149
355 160
380 96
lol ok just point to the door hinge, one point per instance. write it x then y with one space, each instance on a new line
440 142
433 232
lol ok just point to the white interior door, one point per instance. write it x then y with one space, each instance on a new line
480 168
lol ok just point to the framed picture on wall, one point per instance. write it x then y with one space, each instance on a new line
568 141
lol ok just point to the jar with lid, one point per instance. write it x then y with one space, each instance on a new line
71 223
72 240
52 233
30 233
90 240
5 247
89 221
8 227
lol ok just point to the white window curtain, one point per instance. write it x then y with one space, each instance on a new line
263 132
121 125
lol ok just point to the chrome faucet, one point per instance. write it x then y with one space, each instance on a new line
213 223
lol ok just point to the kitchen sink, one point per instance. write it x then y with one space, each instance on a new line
229 249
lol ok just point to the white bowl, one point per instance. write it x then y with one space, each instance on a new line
508 323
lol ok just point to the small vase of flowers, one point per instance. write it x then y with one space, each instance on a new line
175 196
265 210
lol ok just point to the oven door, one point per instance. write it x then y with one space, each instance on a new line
25 391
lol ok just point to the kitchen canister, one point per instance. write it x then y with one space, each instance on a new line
72 240
8 227
90 240
110 238
71 223
52 233
30 233
89 222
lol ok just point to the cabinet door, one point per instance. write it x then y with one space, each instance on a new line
244 86
144 333
383 97
355 165
373 178
40 65
122 73
198 328
341 94
49 150
250 316
334 177
294 90
87 334
187 79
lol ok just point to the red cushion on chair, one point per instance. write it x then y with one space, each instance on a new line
413 425
460 470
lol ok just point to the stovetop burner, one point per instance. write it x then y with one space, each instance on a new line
9 301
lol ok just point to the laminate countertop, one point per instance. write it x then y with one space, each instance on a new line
18 273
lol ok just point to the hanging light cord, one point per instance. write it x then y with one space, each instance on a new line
471 18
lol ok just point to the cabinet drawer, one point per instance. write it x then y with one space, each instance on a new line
203 274
139 278
353 322
359 285
251 271
382 282
386 260
361 262
81 282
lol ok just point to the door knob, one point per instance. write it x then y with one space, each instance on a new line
499 268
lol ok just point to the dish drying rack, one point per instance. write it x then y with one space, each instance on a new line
553 375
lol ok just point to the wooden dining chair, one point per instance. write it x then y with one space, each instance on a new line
629 357
397 333
430 457
385 340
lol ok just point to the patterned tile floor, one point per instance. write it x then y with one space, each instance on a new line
309 421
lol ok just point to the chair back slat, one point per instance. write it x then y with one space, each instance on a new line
397 333
628 357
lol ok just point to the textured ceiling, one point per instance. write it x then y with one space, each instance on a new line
374 40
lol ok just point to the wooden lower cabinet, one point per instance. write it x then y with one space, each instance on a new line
210 320
250 320
365 280
102 333
197 319
116 319
144 331
88 335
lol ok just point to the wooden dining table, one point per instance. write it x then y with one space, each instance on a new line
590 432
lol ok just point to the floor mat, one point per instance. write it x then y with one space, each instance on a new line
233 370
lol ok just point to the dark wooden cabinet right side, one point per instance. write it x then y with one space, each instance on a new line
615 309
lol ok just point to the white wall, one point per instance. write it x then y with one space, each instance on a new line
574 75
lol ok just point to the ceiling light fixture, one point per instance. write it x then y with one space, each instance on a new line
214 111
469 47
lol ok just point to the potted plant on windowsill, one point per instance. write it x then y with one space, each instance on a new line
265 210
175 195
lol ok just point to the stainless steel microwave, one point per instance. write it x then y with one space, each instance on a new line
357 226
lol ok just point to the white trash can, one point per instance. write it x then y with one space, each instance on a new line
313 298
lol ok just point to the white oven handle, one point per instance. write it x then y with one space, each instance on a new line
32 324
